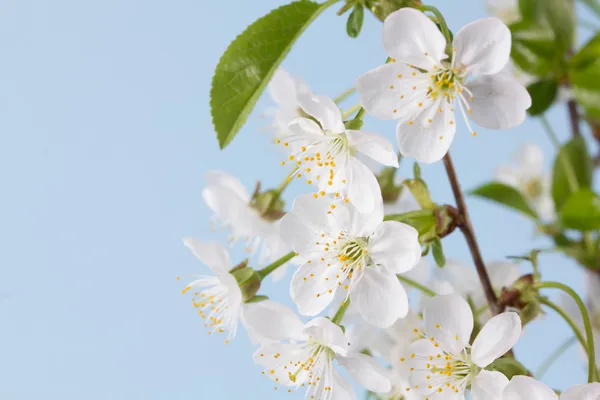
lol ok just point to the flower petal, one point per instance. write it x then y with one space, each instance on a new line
342 389
324 110
426 141
395 246
497 336
312 287
411 37
212 254
355 223
284 87
268 321
530 159
590 391
307 219
392 91
367 372
276 358
373 145
327 333
363 189
482 47
523 387
228 181
499 102
449 319
379 297
488 385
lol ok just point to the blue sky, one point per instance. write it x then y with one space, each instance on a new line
106 139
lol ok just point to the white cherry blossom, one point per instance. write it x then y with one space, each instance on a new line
527 175
343 249
231 204
219 300
323 150
589 391
421 87
284 89
526 388
443 364
306 359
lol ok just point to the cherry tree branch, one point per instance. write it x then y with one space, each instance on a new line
467 229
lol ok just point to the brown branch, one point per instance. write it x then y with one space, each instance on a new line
574 117
467 229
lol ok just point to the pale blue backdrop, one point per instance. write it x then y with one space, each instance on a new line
106 135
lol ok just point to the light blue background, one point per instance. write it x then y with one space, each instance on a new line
106 136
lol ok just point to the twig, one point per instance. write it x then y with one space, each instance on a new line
467 229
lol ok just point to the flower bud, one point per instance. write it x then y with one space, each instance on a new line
523 296
382 8
247 279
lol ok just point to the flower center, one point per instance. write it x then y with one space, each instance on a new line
353 252
446 82
533 188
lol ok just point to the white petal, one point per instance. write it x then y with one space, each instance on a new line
373 145
590 391
324 110
379 297
498 102
276 358
523 387
391 91
411 37
530 159
426 141
312 294
327 333
229 181
307 219
363 191
367 372
458 276
497 336
508 175
395 246
592 285
488 385
342 389
355 223
270 321
503 273
212 254
284 87
482 47
449 319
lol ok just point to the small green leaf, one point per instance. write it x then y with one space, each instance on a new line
257 299
581 211
419 190
438 252
530 10
589 53
576 154
543 93
533 48
586 87
355 21
417 170
251 59
560 16
506 196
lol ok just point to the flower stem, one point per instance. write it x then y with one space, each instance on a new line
586 323
350 111
344 95
467 229
441 20
416 285
262 273
554 356
360 114
408 215
572 324
566 164
339 315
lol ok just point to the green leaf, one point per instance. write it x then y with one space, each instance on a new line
543 93
576 154
508 366
438 252
589 53
355 21
506 196
581 211
251 59
586 87
533 48
530 10
560 16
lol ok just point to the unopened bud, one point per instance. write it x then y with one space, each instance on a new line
382 8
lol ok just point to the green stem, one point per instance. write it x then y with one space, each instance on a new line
339 315
566 164
554 356
586 323
285 182
441 20
408 215
344 95
416 285
262 273
350 111
568 320
360 114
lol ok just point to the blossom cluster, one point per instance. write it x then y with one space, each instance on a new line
350 262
